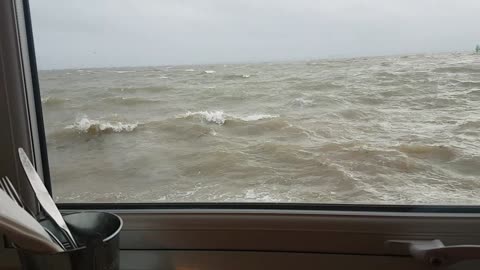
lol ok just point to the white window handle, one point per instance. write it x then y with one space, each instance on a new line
434 252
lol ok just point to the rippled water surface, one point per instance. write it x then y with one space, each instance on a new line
396 130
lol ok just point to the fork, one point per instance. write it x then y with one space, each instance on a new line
8 187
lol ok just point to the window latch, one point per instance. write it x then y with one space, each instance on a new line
434 252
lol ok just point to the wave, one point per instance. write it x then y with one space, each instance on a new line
317 86
189 69
354 114
209 71
371 100
474 92
429 151
386 75
216 117
435 103
467 165
97 127
301 102
466 84
123 71
220 118
255 117
83 72
54 100
465 69
151 89
236 76
130 100
469 125
195 125
180 131
469 84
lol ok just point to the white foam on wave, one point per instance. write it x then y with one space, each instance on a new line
124 71
216 117
86 125
131 100
256 117
302 102
219 117
246 76
53 100
253 195
210 71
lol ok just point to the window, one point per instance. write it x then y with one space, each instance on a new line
268 101
195 236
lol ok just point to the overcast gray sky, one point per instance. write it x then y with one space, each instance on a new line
103 33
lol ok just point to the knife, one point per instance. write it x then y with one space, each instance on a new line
44 197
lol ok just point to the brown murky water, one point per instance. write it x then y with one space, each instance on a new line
396 130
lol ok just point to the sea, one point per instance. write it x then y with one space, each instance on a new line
367 130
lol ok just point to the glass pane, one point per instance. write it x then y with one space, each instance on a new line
261 101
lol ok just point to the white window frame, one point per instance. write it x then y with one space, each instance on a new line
154 235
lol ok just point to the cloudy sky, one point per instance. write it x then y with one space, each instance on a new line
105 33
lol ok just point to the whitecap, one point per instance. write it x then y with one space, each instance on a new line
54 100
253 195
302 102
256 117
130 100
124 71
210 71
219 117
216 117
86 125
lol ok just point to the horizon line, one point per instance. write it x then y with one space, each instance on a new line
338 57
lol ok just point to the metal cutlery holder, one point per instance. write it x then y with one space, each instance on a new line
97 234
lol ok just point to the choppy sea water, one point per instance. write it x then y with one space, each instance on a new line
393 130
